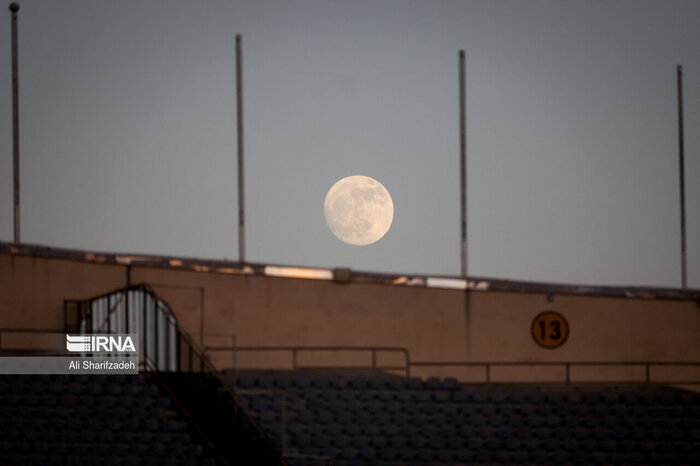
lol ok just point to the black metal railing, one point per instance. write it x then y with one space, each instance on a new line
649 372
294 351
136 310
176 360
645 374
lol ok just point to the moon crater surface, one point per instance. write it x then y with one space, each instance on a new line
358 210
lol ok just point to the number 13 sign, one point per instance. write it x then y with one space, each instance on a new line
550 329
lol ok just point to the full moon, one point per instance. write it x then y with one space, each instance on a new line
358 210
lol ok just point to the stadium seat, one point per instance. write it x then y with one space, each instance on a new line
394 420
82 420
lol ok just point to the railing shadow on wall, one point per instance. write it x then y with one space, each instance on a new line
179 365
487 372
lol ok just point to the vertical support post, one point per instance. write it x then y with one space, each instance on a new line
463 161
233 353
239 117
126 310
172 363
156 359
14 8
166 344
178 348
144 334
681 155
648 373
109 313
408 362
65 321
201 319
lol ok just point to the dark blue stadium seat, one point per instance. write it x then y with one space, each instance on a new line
89 420
407 421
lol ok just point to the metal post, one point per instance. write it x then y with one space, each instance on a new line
684 265
169 344
463 160
233 353
89 318
14 8
156 360
126 310
178 339
239 117
109 313
144 335
648 373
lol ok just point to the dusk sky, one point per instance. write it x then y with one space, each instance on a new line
128 131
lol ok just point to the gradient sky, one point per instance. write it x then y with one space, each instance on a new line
128 131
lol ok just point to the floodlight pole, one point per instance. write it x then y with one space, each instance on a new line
14 8
684 265
239 117
463 161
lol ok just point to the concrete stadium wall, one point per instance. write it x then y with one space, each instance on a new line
435 325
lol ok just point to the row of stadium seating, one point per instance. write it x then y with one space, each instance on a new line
385 419
109 420
352 419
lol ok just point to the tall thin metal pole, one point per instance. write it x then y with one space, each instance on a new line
463 160
239 115
681 155
14 8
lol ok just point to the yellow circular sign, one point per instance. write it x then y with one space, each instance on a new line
550 329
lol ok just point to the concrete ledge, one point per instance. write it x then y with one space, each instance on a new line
449 282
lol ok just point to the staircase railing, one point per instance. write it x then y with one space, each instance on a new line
168 350
136 310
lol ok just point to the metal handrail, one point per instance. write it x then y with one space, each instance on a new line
282 393
408 365
296 349
184 411
567 365
157 321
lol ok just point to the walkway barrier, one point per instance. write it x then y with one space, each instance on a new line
560 372
180 366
